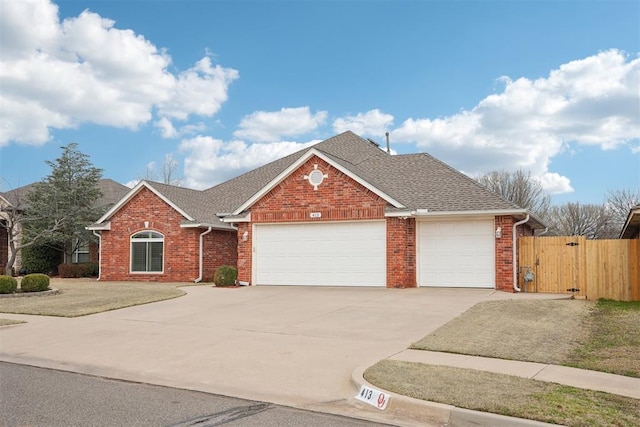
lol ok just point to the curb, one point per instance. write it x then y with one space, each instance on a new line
418 412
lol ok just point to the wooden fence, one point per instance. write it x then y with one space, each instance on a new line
598 268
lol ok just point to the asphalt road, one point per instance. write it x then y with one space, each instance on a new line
31 396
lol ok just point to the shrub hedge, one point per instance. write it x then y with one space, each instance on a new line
34 283
8 284
40 259
225 275
84 269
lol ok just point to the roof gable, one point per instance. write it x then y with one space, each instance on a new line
134 191
301 161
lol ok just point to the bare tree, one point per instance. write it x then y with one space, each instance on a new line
519 188
169 171
619 202
576 219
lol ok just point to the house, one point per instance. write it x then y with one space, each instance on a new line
631 228
111 192
342 212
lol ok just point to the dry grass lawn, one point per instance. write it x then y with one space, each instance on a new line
545 331
602 336
6 322
79 297
505 394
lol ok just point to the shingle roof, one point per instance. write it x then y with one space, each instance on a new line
421 181
418 181
111 190
192 202
348 147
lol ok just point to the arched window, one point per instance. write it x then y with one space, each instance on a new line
147 249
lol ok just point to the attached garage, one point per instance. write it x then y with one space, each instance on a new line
456 253
321 254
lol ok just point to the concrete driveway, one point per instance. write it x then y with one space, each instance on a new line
288 345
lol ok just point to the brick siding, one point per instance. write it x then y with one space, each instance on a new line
181 245
401 253
337 198
504 251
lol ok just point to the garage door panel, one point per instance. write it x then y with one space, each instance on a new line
456 254
330 254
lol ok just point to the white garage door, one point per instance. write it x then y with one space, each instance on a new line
456 254
329 254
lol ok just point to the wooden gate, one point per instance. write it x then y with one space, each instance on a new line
597 268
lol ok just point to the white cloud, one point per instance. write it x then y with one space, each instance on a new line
554 183
593 101
209 161
167 130
61 74
373 123
270 126
200 90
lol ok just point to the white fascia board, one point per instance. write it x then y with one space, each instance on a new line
423 213
99 227
206 225
135 190
237 218
399 214
288 171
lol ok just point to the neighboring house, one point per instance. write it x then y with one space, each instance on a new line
341 213
15 199
631 229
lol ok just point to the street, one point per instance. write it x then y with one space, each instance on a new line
44 397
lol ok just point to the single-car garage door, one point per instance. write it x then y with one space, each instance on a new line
456 254
321 253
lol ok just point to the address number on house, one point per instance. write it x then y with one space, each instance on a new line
373 397
315 214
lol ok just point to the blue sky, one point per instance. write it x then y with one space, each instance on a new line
551 87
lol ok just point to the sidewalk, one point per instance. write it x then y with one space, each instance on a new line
580 378
417 412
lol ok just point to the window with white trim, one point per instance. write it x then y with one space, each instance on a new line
80 252
147 248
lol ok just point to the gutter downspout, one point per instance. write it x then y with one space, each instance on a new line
513 259
199 279
99 236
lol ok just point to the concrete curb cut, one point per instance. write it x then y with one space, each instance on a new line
417 412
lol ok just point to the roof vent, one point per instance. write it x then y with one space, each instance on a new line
373 142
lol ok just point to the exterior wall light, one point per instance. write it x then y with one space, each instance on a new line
498 232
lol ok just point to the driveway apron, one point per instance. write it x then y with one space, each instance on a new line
295 346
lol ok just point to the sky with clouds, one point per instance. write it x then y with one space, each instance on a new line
223 87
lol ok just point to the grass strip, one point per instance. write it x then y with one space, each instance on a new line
544 331
83 297
505 394
6 322
613 344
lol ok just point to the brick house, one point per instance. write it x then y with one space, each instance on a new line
111 192
340 213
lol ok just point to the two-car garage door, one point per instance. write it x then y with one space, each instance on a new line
456 254
321 253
